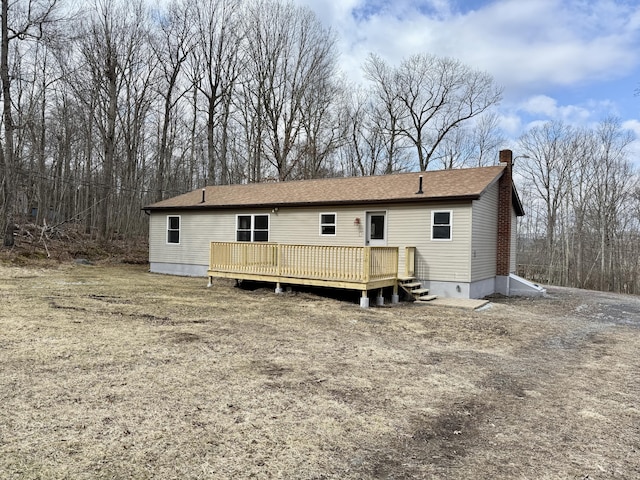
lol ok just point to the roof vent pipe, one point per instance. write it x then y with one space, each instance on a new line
420 192
203 191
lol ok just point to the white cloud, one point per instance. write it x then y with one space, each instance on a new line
633 125
543 105
524 44
571 60
634 148
540 104
510 124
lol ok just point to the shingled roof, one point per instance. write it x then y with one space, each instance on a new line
462 184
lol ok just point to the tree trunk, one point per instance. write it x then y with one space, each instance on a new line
109 148
7 154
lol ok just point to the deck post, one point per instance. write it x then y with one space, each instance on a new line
278 287
210 284
395 298
366 264
380 299
409 261
364 300
279 259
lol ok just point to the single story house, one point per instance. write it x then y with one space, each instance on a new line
452 231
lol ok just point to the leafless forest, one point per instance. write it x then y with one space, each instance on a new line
582 199
117 104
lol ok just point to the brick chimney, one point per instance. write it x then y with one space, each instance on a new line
503 250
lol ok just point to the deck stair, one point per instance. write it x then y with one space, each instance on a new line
414 288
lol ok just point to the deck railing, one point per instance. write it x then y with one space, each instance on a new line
332 263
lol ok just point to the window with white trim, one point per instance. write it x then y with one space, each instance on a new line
173 229
252 228
328 223
441 225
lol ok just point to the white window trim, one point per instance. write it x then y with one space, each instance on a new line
253 226
166 238
334 224
433 216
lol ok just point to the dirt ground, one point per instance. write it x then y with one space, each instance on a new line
109 372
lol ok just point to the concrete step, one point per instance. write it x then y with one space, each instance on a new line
411 285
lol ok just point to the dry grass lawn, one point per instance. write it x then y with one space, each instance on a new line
109 372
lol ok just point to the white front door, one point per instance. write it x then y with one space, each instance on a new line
376 229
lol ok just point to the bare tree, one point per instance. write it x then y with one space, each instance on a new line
547 166
584 183
215 70
20 21
582 150
32 116
252 126
487 139
474 144
139 70
455 150
364 147
613 186
387 110
102 56
321 131
435 94
288 53
114 79
171 44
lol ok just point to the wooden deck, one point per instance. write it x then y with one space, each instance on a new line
356 268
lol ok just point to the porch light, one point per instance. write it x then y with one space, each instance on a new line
356 221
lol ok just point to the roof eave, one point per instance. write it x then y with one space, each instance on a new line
517 203
197 207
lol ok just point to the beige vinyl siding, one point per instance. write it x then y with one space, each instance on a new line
485 231
197 230
440 260
514 239
302 226
287 225
157 237
407 226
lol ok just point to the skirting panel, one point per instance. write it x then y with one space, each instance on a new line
181 269
479 289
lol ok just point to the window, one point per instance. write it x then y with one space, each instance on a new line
252 228
441 225
327 224
376 226
261 228
243 232
173 229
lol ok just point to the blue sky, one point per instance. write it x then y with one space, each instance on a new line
575 60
